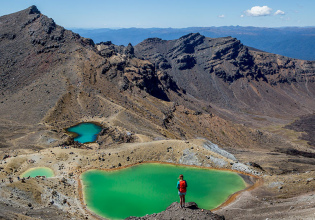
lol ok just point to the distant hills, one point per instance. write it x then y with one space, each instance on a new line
294 42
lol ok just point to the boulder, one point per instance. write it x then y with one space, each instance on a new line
191 211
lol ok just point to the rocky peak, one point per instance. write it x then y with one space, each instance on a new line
226 48
129 50
187 44
152 40
129 72
227 57
108 49
33 10
29 38
230 59
192 39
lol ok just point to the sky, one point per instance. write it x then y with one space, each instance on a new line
170 13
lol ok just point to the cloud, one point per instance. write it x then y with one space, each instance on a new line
221 16
258 11
242 16
279 12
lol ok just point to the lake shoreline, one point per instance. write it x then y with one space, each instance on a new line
251 181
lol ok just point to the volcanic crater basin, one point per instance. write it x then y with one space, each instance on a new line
151 187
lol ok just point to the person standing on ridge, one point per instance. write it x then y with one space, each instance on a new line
181 186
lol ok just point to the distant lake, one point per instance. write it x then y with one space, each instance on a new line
38 171
86 132
151 188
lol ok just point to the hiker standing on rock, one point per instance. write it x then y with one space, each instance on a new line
181 186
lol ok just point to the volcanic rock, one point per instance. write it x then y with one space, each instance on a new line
230 75
191 211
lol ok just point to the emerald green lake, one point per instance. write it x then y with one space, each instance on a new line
39 171
86 132
151 188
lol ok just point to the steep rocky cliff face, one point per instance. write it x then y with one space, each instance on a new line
226 57
132 72
229 75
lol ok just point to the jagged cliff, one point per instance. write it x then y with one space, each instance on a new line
226 57
230 75
134 72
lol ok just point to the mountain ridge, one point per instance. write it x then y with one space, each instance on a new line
294 42
229 75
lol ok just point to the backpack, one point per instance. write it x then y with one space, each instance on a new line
182 186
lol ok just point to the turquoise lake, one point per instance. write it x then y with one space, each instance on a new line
86 132
151 188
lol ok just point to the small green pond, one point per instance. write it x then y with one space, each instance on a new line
86 132
39 171
151 188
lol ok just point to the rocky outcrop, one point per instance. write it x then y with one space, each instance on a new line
191 211
108 49
230 75
215 148
128 71
227 57
277 69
